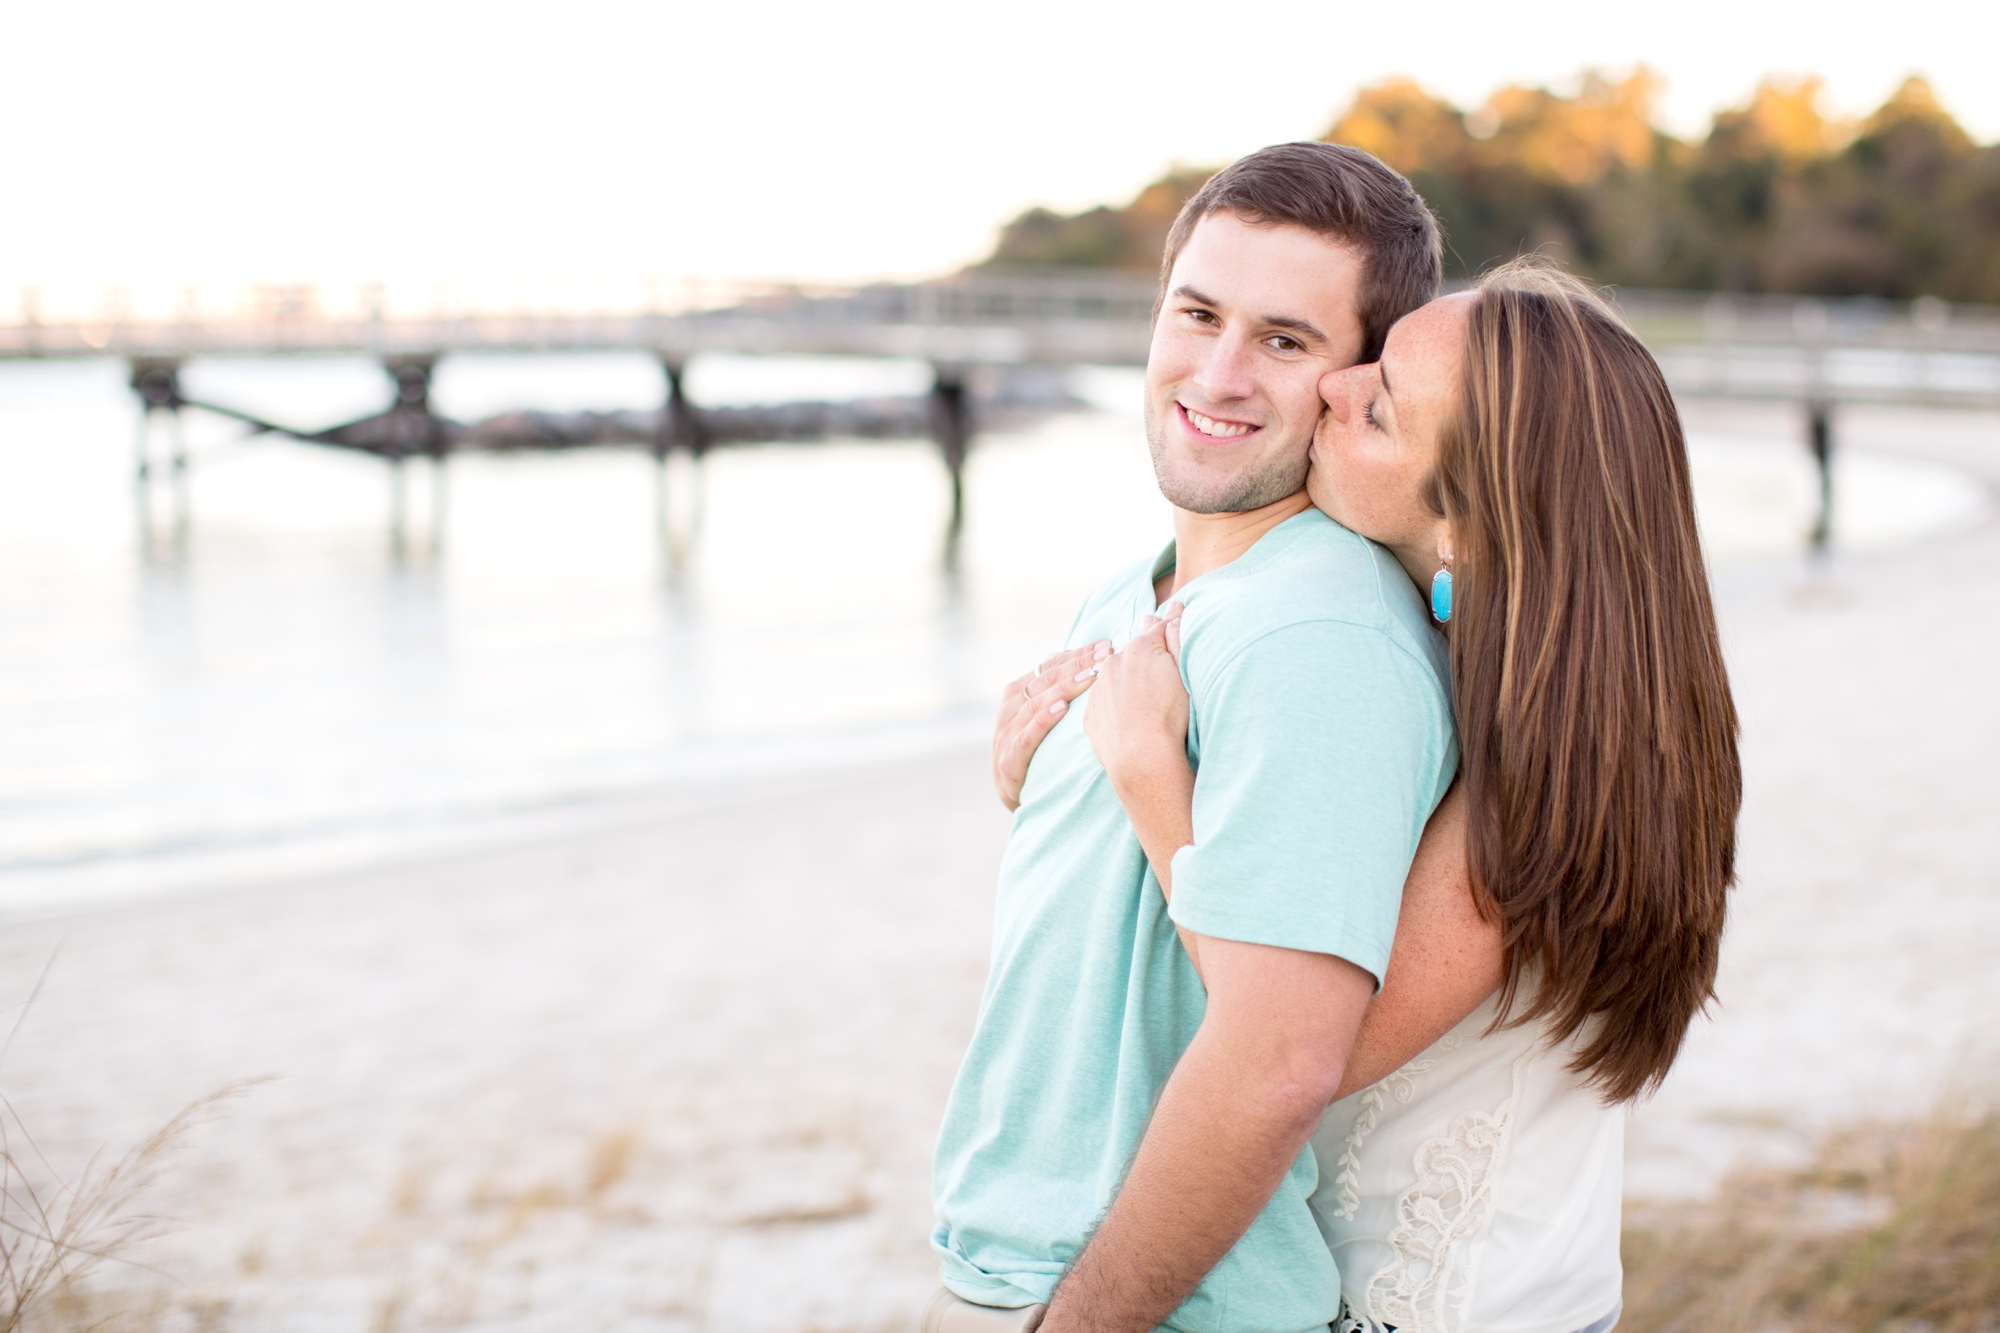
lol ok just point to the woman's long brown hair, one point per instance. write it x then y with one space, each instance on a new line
1599 735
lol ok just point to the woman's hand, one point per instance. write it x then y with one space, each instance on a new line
1138 718
1138 723
1030 706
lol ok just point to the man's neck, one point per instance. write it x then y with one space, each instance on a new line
1205 542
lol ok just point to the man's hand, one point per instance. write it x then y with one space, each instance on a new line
1031 705
1241 1104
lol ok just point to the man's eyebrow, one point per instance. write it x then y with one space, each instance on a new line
1304 327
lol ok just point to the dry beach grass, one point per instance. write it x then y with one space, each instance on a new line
1891 1227
57 1229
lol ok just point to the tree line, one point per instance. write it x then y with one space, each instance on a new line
1776 197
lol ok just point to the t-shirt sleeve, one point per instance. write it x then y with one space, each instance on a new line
1324 747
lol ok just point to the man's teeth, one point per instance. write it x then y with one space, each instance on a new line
1222 430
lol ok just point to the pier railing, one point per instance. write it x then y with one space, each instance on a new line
1808 349
976 318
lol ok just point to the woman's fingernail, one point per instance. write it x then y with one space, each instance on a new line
1059 707
1103 650
1085 674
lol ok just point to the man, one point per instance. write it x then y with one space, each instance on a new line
1125 1144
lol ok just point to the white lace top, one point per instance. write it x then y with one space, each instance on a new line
1475 1190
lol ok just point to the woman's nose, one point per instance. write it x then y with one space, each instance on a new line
1336 390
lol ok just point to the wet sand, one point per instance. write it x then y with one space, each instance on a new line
680 1068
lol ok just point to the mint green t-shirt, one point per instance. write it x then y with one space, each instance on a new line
1321 731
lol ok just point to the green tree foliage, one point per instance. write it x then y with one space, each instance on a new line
1128 237
1776 198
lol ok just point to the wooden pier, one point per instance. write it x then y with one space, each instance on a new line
1818 353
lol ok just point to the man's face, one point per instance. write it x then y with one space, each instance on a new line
1255 315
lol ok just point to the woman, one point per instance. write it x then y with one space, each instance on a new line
1517 450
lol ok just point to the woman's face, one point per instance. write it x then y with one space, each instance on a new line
1377 442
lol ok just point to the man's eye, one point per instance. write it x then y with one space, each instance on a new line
1284 344
1203 316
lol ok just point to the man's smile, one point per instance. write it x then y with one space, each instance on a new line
1212 427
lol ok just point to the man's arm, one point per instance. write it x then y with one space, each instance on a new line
1311 793
1244 1099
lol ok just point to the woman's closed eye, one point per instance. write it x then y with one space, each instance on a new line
1368 415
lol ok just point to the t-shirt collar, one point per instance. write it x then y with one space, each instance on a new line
1169 558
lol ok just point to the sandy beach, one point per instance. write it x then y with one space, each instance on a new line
679 1071
679 1066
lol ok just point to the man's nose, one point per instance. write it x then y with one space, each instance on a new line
1224 374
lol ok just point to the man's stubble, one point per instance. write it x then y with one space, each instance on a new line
1268 481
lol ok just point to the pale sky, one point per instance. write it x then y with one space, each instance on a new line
217 142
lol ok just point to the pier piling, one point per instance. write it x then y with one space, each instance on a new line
158 385
951 425
682 428
413 430
1819 438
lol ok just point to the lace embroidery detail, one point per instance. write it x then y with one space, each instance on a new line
1402 1085
1423 1288
1350 1320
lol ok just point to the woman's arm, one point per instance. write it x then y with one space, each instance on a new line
1444 964
1447 957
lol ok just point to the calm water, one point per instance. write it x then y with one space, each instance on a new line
280 685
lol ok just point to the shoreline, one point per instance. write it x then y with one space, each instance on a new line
696 774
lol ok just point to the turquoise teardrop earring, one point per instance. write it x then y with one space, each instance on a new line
1441 595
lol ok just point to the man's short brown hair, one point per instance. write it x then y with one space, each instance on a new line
1341 193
